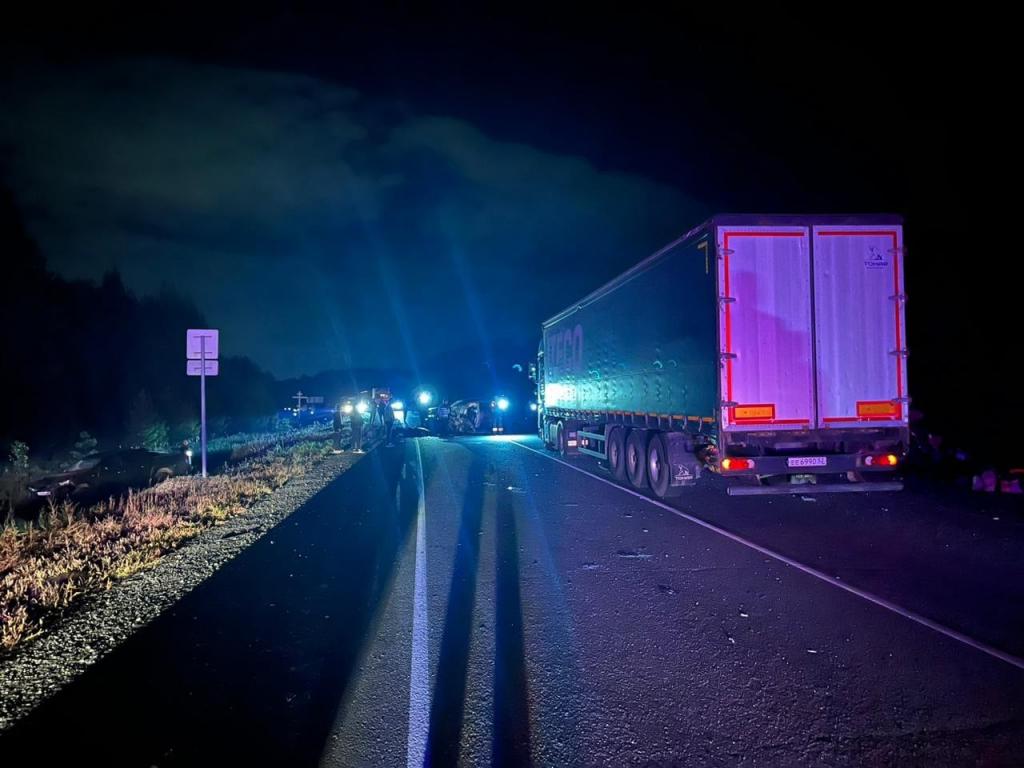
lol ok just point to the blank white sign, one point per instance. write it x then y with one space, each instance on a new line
195 367
197 338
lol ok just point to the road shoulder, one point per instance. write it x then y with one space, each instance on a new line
41 668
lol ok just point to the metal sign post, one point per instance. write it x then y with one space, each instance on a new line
201 351
202 400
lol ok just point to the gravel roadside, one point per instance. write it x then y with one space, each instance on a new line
46 665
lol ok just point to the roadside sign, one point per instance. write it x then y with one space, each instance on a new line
202 347
316 401
195 367
202 342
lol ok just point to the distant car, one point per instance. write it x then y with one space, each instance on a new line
111 472
413 420
470 416
491 415
438 419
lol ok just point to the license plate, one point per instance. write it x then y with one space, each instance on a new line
808 461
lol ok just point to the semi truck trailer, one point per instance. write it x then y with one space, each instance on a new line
768 350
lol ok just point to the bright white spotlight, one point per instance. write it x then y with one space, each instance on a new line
347 408
424 398
363 406
502 403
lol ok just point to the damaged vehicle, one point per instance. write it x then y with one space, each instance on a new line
108 473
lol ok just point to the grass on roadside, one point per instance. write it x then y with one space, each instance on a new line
70 552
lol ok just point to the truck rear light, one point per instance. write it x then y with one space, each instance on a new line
737 465
882 460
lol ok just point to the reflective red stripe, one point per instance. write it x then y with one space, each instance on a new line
896 311
728 319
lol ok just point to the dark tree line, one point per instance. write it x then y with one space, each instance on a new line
78 356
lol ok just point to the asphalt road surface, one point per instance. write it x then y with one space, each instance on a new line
477 602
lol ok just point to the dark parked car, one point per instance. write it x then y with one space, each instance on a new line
108 473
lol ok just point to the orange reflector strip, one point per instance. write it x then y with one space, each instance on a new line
875 408
754 412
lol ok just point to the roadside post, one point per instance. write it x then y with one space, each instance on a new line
201 359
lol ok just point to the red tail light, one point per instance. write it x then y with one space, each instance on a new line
882 460
737 465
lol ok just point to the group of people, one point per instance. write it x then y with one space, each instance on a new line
378 419
932 454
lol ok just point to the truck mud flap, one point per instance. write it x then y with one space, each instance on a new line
809 488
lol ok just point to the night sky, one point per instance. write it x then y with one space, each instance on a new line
356 189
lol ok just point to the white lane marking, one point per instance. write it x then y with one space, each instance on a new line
978 645
419 684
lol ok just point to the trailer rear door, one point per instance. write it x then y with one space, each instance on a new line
765 323
859 325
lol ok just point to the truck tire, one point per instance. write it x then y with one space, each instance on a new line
636 458
549 428
659 469
617 453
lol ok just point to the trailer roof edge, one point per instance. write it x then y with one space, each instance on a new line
627 275
805 219
733 219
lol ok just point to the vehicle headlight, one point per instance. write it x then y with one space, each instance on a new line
502 403
363 407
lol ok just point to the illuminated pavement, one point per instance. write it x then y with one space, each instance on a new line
548 618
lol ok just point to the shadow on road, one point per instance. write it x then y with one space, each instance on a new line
511 745
446 708
251 666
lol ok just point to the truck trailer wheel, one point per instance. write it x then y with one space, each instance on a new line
636 458
549 430
659 470
617 453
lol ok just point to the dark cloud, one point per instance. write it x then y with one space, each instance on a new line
317 226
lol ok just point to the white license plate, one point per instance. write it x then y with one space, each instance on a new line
808 461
